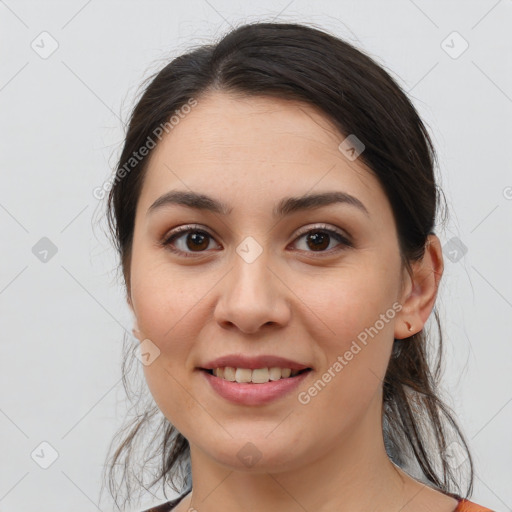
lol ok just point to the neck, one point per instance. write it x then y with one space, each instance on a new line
353 474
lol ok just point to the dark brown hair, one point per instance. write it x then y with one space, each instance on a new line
299 62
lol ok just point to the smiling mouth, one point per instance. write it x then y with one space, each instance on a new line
256 376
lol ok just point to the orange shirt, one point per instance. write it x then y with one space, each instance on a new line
469 506
463 506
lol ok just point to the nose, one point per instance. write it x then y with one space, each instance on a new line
252 296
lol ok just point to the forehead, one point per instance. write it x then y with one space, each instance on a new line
222 124
258 148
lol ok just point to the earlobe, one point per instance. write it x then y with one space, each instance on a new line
420 295
135 330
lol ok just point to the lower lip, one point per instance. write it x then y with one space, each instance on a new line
247 393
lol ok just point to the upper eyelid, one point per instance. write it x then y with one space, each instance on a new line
323 226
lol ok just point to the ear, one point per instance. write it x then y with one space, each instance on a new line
419 290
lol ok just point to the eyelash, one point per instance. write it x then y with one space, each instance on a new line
182 230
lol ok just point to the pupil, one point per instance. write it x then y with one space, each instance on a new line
319 240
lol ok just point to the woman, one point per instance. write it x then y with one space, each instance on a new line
274 210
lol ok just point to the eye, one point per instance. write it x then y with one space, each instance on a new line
186 240
319 238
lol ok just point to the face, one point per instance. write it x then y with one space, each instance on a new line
317 285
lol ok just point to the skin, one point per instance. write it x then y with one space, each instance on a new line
292 301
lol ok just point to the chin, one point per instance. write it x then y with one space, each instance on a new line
258 455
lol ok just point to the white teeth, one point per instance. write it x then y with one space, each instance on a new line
229 373
256 376
260 376
285 373
243 375
275 373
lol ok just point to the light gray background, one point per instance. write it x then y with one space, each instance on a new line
62 321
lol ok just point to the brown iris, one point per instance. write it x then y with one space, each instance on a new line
319 240
199 241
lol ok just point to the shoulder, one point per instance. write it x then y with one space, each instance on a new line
470 506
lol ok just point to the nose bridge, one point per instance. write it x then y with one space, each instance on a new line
252 296
251 274
252 284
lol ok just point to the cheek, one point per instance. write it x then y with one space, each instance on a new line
163 298
350 302
170 316
167 309
354 331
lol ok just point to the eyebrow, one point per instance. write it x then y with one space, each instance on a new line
286 206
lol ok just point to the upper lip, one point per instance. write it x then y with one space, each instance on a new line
251 363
